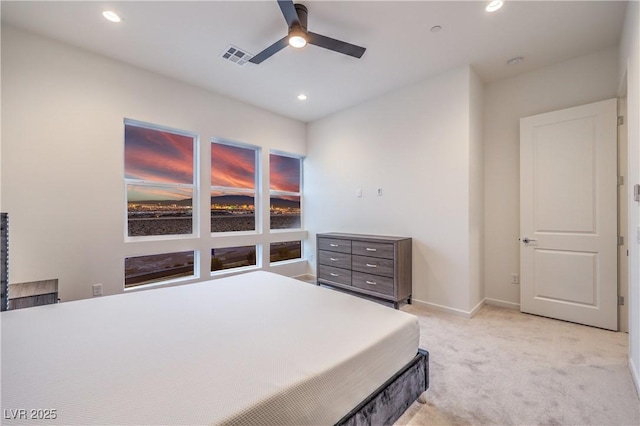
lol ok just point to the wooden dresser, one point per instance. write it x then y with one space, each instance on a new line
370 265
34 293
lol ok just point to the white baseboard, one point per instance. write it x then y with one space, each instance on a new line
634 375
305 277
447 309
475 310
502 303
472 312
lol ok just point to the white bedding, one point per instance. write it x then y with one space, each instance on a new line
256 348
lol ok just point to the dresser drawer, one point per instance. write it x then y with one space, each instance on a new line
338 260
332 244
364 248
382 285
337 275
372 265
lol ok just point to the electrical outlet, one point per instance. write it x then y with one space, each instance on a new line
97 290
379 192
359 193
515 278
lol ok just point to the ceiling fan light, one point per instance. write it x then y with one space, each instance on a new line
297 41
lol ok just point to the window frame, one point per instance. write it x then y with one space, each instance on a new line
170 281
296 259
273 192
194 186
256 191
246 268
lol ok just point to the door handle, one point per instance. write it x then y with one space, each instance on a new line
527 240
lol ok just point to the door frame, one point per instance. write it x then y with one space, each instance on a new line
623 249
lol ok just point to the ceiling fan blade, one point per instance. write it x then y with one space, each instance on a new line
271 50
335 45
289 11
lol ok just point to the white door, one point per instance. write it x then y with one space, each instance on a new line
568 214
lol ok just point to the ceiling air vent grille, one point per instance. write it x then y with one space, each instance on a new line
236 55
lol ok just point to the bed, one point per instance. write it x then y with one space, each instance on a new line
255 348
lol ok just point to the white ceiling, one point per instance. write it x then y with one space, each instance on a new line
185 40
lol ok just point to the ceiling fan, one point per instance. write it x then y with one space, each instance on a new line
296 17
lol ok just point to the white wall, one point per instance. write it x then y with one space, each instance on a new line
414 143
574 82
476 192
630 68
62 162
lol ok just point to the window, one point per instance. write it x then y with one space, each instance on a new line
159 177
155 268
284 191
287 250
232 257
162 197
233 187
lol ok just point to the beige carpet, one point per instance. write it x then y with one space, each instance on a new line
507 368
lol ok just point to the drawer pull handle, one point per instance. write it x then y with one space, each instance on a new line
371 249
371 282
333 274
371 266
334 245
333 259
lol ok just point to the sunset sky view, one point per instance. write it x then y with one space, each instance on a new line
157 156
146 193
285 173
233 166
164 157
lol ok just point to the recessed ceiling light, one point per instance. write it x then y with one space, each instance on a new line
516 60
494 5
436 28
302 97
111 16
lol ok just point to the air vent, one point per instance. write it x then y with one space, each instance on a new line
236 55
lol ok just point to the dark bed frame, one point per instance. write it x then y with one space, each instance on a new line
387 403
4 261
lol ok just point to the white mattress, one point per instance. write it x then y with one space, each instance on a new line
256 348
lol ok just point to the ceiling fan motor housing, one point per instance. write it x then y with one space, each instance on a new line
302 12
